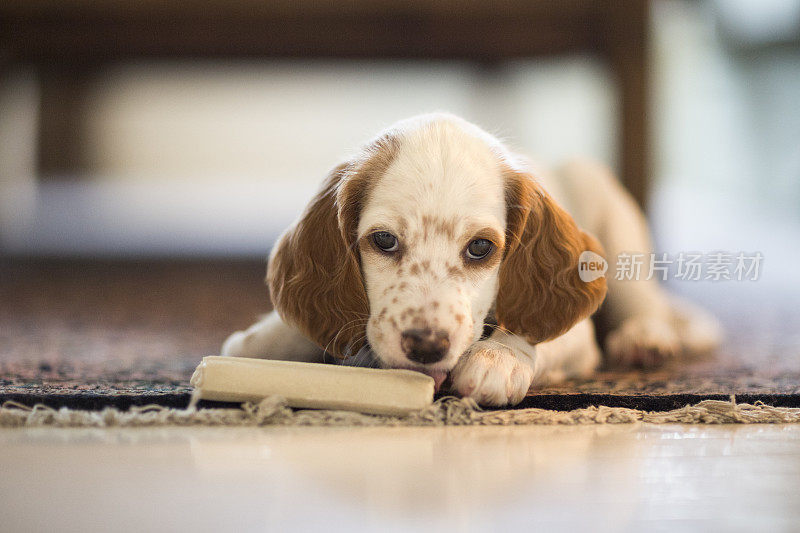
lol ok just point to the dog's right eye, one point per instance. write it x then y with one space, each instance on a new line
385 241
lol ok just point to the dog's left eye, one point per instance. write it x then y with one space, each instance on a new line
479 248
385 241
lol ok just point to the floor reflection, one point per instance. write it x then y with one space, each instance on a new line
362 479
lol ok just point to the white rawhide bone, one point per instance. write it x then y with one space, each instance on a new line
313 385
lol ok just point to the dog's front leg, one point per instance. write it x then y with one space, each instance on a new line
498 370
272 338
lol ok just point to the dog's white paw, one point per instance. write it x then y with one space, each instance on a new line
492 374
645 342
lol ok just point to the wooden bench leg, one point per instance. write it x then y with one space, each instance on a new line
62 122
627 42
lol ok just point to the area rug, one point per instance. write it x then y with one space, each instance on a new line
444 412
118 334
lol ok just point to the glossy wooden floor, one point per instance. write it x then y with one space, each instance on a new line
586 478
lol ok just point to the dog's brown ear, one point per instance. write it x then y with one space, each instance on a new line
314 276
541 294
314 271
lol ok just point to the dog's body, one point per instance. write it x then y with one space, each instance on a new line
433 229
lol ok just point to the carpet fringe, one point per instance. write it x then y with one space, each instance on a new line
444 412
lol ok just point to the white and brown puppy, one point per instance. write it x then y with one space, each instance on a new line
436 228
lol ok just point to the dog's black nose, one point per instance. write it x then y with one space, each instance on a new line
425 345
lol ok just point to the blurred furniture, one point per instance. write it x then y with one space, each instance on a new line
70 40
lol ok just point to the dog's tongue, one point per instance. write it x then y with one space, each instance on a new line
438 377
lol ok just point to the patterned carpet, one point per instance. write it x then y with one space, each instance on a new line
88 334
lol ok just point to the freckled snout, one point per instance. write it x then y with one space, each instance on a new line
424 345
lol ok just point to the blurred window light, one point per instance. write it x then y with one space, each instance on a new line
748 23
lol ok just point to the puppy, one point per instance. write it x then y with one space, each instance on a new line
437 249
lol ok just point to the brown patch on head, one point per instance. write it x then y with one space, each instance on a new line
435 305
446 228
403 285
541 294
433 226
394 300
455 272
426 265
459 318
314 271
438 226
427 223
414 269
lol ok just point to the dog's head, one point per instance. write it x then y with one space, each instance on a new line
409 246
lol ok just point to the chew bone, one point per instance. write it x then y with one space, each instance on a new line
313 385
